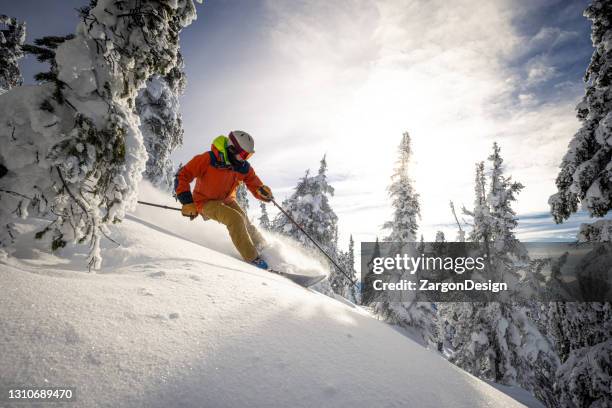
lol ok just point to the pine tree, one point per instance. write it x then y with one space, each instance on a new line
309 206
502 193
352 293
339 282
12 38
161 122
499 341
264 220
582 331
481 214
404 199
583 340
460 231
43 50
586 169
73 152
403 229
368 295
242 197
599 231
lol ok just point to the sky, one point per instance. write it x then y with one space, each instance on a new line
346 78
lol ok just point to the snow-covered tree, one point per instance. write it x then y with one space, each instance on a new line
309 206
502 193
242 197
351 292
73 150
493 219
460 230
599 231
499 341
44 51
161 122
403 229
404 199
368 295
481 214
586 169
341 284
264 220
582 332
505 248
12 38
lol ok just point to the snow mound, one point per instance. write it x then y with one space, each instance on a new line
168 322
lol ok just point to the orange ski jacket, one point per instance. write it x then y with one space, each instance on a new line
216 179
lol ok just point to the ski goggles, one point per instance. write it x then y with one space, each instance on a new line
244 155
238 151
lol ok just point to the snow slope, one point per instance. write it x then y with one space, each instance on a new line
169 323
212 234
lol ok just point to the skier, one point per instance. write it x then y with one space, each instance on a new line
218 173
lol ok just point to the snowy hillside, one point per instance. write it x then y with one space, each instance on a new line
168 322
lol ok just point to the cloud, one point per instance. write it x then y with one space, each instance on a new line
539 70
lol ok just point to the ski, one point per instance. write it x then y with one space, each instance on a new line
302 280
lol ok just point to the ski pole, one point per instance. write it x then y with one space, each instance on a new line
313 241
159 206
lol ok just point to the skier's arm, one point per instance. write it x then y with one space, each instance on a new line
257 188
195 168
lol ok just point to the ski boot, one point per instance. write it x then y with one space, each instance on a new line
260 263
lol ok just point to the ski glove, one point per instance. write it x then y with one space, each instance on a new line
265 193
189 210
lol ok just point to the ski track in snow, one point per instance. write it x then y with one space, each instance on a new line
168 322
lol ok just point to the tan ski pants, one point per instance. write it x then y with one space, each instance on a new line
243 233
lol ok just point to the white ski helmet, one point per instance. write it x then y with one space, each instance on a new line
242 142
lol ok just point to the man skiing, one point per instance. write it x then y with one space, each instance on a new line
218 173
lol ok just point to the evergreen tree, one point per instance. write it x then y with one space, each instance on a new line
499 341
599 231
583 341
309 206
404 199
352 293
264 220
339 282
586 169
502 193
161 122
242 197
481 215
12 38
43 50
582 331
368 295
73 152
460 231
403 229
